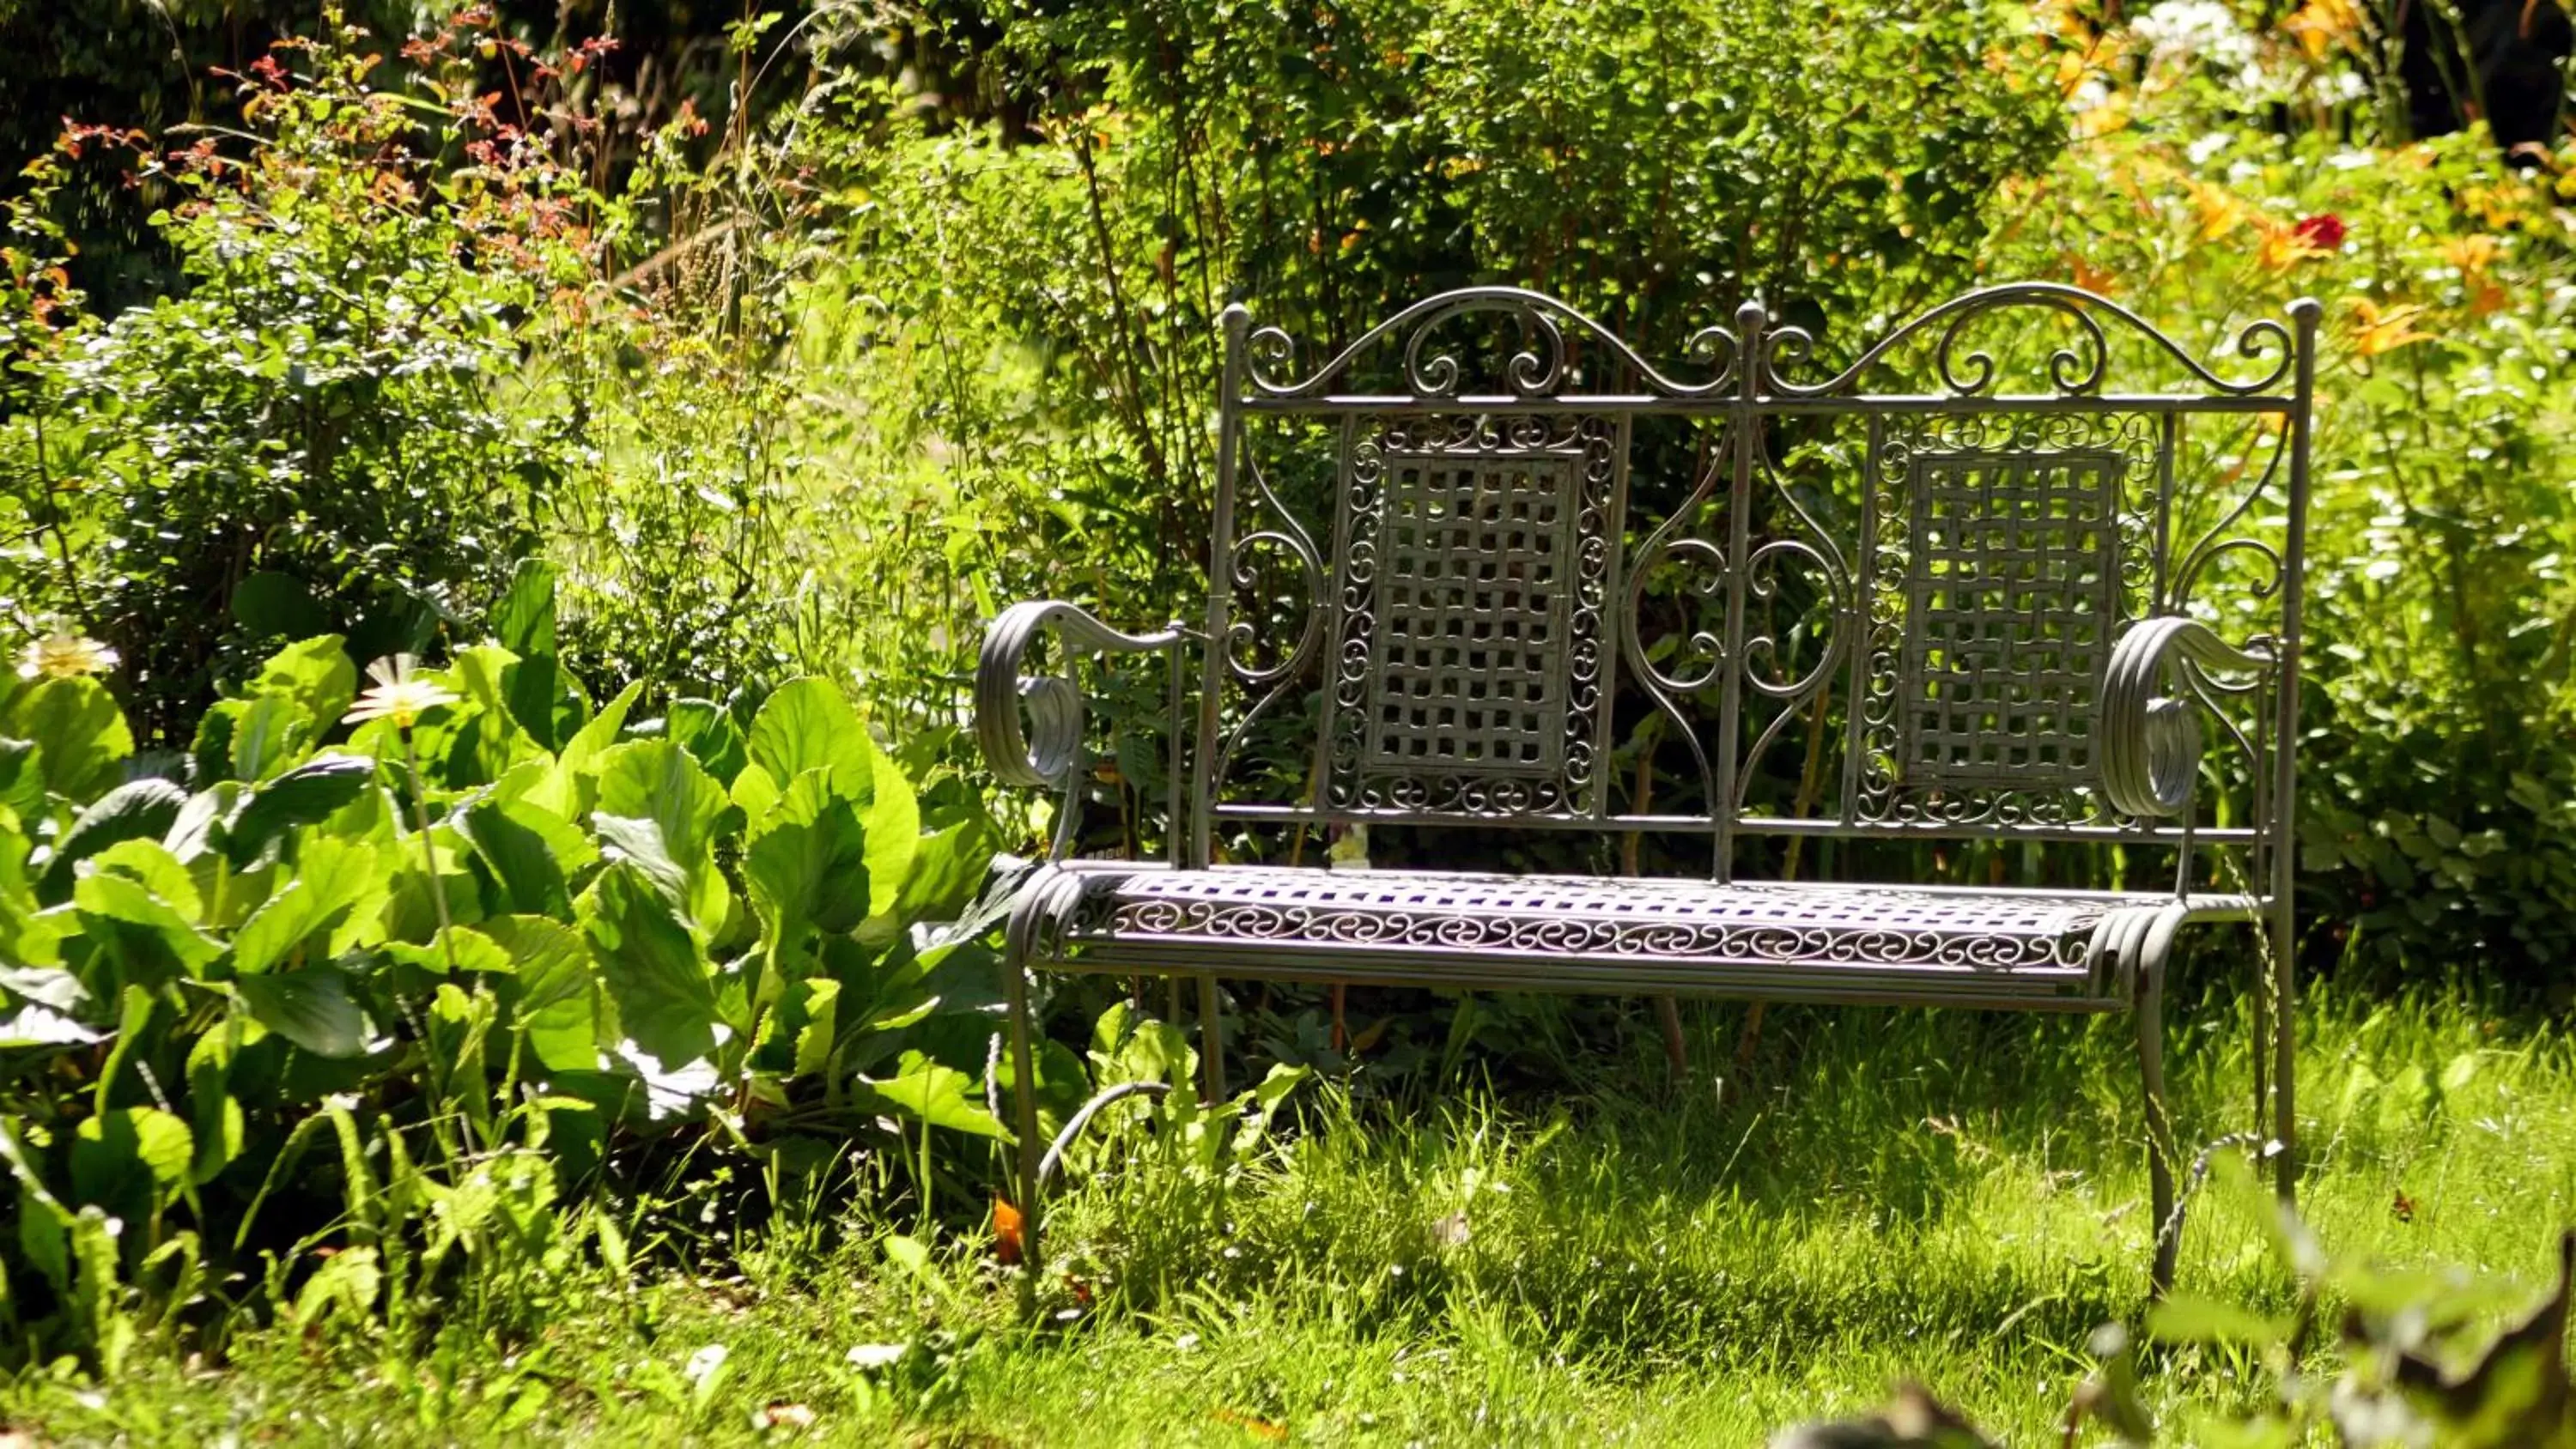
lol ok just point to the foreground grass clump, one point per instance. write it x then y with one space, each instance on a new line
1958 1202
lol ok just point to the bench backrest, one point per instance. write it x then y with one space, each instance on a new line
1487 565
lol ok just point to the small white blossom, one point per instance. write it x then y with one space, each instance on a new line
2186 30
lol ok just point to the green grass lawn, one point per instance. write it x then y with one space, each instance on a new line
1952 1197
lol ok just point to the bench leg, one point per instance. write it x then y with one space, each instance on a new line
2262 1051
2285 1053
2164 1221
1211 1043
1024 1125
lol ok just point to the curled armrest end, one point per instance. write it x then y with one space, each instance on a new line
2151 743
1050 748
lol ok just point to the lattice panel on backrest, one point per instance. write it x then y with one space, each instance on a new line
2012 600
1473 598
1473 561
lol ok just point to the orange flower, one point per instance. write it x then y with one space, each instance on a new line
2497 206
2097 280
2472 254
2376 331
2320 25
2103 119
2284 247
2219 212
2071 70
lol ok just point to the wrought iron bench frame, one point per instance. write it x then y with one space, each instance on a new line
1457 514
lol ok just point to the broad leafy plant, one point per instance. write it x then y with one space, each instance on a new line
368 986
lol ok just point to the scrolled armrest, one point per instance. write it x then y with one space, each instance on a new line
1050 750
2151 742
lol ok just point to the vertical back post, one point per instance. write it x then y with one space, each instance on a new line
1237 322
2304 315
1749 323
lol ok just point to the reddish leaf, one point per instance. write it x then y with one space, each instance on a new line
1258 1428
1006 1229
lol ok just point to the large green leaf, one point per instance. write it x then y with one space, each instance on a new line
639 843
270 732
524 620
43 1233
941 1096
312 1008
204 823
894 829
554 992
77 730
531 851
22 778
273 605
161 872
211 753
707 730
143 935
948 869
455 949
309 794
654 970
317 673
815 1017
658 781
338 893
123 1160
571 787
810 866
216 1116
807 724
484 739
135 810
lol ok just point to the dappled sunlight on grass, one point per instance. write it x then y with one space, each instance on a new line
1961 1201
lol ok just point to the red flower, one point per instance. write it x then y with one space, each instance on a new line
2323 231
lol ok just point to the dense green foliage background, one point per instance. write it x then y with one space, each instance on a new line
788 344
813 383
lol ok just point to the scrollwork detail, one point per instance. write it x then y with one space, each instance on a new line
2071 371
1535 369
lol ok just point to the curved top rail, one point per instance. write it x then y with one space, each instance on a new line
2072 371
1533 371
1432 370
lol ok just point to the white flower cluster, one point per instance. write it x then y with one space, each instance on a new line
2195 30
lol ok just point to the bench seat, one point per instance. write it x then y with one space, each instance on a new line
1748 940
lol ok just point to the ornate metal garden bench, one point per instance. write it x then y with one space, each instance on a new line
1972 690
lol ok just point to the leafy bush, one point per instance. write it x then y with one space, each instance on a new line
2437 780
320 433
472 952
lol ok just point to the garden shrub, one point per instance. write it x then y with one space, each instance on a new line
395 976
2438 780
321 432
